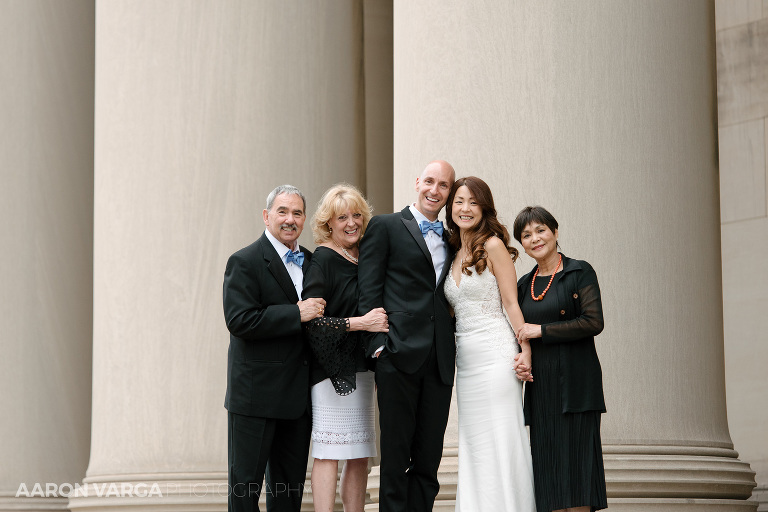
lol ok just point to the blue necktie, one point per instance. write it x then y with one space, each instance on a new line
295 257
436 226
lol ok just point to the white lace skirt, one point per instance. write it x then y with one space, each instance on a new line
343 427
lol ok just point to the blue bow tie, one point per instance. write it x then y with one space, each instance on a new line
295 257
436 226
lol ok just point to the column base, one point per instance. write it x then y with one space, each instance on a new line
678 505
156 492
660 478
640 478
9 502
760 495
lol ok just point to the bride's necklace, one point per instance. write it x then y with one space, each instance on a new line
345 252
534 297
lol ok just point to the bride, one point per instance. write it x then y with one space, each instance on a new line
495 471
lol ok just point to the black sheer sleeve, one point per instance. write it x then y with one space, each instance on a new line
331 343
589 313
332 346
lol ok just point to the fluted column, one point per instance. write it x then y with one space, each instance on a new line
377 43
201 109
742 75
604 113
46 207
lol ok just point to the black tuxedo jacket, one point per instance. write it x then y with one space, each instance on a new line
396 272
268 362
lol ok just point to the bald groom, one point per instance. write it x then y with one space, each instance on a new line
404 258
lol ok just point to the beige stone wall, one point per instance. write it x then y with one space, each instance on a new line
742 79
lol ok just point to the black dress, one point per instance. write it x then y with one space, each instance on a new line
565 447
338 354
343 414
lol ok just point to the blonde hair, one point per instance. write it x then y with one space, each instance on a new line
336 199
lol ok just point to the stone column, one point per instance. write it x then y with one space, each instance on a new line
46 207
201 109
377 42
604 113
742 75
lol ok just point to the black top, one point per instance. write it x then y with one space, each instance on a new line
542 396
575 313
338 353
544 311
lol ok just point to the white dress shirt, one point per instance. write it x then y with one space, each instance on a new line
297 276
434 242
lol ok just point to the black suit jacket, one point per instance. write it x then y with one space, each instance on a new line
268 362
396 272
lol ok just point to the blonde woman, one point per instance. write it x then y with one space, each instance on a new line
342 387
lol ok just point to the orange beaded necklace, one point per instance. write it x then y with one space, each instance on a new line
534 297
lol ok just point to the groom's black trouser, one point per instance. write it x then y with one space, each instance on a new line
413 413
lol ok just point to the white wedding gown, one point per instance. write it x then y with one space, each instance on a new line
495 472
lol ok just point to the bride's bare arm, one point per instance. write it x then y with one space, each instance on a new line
503 268
500 263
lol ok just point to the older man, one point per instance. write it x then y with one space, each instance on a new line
268 364
404 258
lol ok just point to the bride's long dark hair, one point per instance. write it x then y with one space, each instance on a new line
488 226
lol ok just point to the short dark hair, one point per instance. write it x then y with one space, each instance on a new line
533 214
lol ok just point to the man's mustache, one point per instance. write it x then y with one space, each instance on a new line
289 226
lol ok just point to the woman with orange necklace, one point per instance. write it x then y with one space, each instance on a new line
560 300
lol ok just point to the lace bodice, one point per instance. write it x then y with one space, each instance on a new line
476 301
